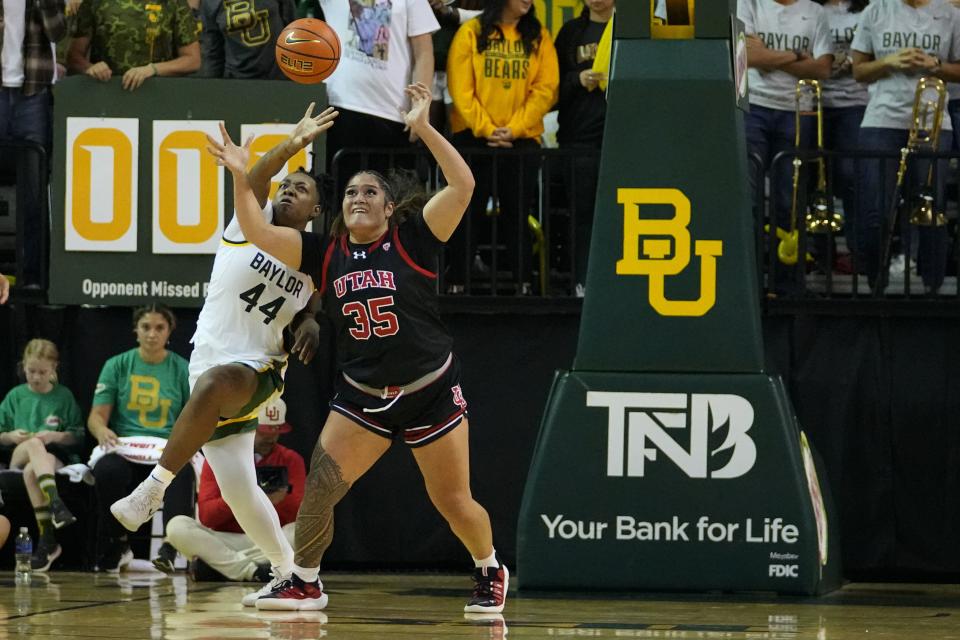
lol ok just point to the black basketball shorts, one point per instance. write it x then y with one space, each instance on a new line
416 418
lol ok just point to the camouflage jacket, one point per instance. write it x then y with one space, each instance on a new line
45 24
132 33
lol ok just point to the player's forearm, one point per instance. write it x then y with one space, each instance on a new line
269 165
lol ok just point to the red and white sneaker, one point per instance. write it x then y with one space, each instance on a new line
294 594
489 590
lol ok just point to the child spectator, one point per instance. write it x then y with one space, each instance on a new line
41 422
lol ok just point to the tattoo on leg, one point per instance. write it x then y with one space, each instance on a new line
325 488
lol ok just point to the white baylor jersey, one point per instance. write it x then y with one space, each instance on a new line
251 298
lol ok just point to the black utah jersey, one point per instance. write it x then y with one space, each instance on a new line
382 300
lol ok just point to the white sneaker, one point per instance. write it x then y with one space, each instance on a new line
250 600
140 505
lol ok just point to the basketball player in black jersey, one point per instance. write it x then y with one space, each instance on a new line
399 377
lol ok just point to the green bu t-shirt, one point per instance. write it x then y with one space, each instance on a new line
127 34
146 398
55 410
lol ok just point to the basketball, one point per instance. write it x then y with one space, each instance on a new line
308 50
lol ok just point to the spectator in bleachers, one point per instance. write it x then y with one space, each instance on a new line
581 111
844 103
4 289
41 422
217 538
385 46
140 392
135 40
450 15
27 67
238 39
953 106
503 76
896 43
787 40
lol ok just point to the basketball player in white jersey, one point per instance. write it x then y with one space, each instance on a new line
238 359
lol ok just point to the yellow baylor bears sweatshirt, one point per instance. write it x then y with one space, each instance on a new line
502 86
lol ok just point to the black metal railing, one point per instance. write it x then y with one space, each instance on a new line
523 231
822 269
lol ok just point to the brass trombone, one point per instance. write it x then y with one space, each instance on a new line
819 216
927 117
927 133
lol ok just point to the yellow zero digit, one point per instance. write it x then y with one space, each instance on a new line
173 148
83 215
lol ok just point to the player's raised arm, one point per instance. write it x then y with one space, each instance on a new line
270 163
445 209
283 243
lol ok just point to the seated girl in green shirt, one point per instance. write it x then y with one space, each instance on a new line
41 422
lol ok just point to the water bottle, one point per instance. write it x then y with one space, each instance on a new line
24 546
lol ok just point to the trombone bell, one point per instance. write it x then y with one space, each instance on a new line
924 214
821 218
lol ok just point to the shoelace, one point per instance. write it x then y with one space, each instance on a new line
483 587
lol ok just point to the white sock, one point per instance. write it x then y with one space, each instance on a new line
307 575
489 561
161 475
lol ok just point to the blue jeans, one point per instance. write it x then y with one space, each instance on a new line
769 132
28 118
953 108
877 183
841 131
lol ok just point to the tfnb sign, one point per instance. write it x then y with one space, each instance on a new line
642 425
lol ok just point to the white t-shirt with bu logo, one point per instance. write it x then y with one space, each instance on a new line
798 26
885 27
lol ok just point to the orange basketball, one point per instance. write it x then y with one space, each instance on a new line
308 50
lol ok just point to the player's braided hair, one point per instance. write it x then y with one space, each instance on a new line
401 187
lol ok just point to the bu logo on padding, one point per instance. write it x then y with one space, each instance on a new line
641 425
651 256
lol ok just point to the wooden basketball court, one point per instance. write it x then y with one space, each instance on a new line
153 606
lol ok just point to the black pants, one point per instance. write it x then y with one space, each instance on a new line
510 179
116 477
354 129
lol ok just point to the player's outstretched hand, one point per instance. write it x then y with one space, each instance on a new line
419 115
4 288
228 154
311 126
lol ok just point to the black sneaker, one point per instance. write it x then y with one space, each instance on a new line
264 573
166 557
489 590
116 555
44 555
60 516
